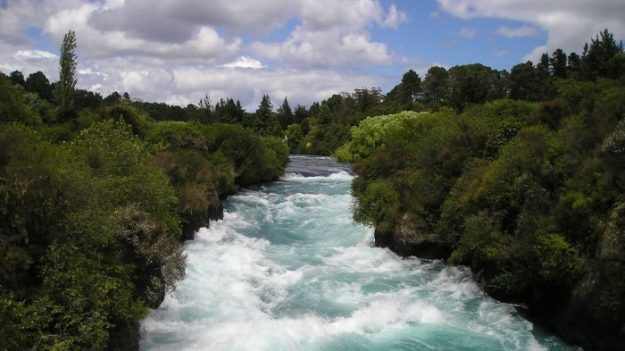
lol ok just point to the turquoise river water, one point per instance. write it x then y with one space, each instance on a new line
288 269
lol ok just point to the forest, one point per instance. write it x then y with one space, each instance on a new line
96 198
517 174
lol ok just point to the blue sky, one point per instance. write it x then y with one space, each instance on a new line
180 50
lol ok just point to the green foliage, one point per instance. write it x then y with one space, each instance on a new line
39 84
377 204
470 84
527 194
127 114
64 88
13 106
91 226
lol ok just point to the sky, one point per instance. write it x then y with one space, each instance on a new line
178 51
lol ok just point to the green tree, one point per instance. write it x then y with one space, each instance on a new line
469 84
16 77
411 83
264 120
64 92
525 82
39 84
573 65
597 56
558 63
435 85
285 114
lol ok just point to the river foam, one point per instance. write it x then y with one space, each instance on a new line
287 269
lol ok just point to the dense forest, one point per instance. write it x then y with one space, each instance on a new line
96 197
520 176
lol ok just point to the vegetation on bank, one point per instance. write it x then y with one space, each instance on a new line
95 199
527 188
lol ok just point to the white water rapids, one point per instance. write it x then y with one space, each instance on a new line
288 269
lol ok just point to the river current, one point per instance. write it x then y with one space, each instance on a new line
288 269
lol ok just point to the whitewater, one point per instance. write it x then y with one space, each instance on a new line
288 269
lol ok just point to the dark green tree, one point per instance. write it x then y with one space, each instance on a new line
285 114
436 84
558 63
39 84
87 99
65 88
573 65
411 83
470 84
16 77
264 120
112 98
597 56
205 109
525 82
408 90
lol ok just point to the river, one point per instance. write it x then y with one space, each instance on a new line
288 269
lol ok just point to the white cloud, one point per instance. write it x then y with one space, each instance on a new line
467 32
518 32
35 55
244 62
394 17
301 87
176 20
178 51
205 45
334 33
568 23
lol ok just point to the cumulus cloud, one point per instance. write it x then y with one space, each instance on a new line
565 21
301 87
205 45
334 37
178 51
176 20
244 62
21 14
517 32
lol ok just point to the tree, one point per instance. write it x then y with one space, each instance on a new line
113 98
573 65
436 84
470 84
64 93
285 114
408 90
543 65
411 83
17 77
525 82
87 99
264 120
205 108
39 84
558 64
597 56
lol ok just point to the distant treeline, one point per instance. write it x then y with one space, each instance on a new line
522 178
323 126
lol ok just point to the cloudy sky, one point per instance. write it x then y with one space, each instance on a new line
177 51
